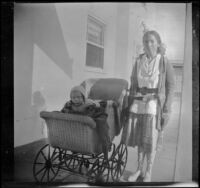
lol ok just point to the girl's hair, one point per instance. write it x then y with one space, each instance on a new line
161 48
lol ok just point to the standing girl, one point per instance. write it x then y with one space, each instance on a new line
150 98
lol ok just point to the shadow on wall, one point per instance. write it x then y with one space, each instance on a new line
34 24
47 33
39 105
49 37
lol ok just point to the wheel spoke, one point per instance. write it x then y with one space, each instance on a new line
115 159
53 170
53 154
73 162
43 174
49 153
123 151
106 175
95 172
117 174
55 158
94 168
118 155
43 155
120 148
48 175
69 163
40 170
114 166
124 163
120 170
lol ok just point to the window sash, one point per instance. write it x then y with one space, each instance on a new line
94 56
95 31
94 44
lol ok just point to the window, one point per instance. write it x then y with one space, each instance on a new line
95 43
178 69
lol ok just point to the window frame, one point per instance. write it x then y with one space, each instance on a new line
178 78
103 25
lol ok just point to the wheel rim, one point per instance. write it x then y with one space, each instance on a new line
119 162
46 164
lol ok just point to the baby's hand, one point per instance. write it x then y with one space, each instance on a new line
64 110
85 106
92 103
97 104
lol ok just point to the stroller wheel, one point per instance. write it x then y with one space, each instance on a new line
71 160
95 171
46 164
106 165
119 161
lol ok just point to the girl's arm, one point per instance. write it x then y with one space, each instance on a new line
66 107
169 88
169 92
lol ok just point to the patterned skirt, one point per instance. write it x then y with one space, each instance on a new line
140 130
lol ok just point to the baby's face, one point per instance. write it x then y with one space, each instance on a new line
77 98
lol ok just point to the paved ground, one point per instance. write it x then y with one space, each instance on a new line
163 170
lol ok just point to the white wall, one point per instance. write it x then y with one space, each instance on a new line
168 19
170 23
183 171
122 40
24 124
49 58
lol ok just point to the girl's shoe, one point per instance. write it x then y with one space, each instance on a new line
134 176
147 177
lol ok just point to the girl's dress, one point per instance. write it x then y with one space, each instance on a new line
140 129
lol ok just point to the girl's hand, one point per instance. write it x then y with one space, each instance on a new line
164 120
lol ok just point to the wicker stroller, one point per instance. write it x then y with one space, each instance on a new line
73 142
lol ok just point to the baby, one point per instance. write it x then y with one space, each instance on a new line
79 104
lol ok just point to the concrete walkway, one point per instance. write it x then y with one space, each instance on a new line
163 170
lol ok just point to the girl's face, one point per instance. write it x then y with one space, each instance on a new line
77 98
151 45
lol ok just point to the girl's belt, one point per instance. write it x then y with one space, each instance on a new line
145 90
146 98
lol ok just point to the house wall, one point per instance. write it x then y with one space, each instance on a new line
122 40
168 19
183 170
49 58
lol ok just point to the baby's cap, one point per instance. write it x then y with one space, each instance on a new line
80 89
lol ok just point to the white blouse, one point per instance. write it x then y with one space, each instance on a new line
148 76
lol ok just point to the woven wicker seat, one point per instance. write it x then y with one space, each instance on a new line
72 132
